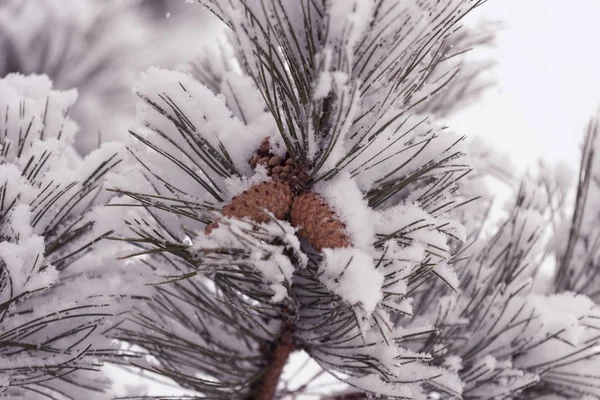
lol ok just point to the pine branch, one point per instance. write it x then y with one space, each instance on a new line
330 92
52 311
277 357
348 395
564 277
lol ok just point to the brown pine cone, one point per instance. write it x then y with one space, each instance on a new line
288 171
275 197
279 168
318 223
264 156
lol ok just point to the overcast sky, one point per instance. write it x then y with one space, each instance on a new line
548 79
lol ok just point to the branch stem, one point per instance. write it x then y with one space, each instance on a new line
266 386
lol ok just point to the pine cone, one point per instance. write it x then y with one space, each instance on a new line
318 223
264 156
279 168
275 197
288 171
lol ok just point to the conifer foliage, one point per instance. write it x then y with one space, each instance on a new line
96 46
54 300
330 85
74 43
293 195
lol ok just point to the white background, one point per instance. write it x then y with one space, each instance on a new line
548 79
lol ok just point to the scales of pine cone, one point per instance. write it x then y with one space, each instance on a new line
279 168
286 196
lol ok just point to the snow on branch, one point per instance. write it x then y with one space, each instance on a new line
496 332
53 311
316 110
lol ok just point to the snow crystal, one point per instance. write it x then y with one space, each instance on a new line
453 363
15 185
275 268
374 384
414 222
562 313
109 219
323 85
236 185
39 100
280 293
406 140
351 274
20 221
348 20
328 80
269 260
243 97
207 114
448 275
413 253
23 261
413 373
129 177
343 195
